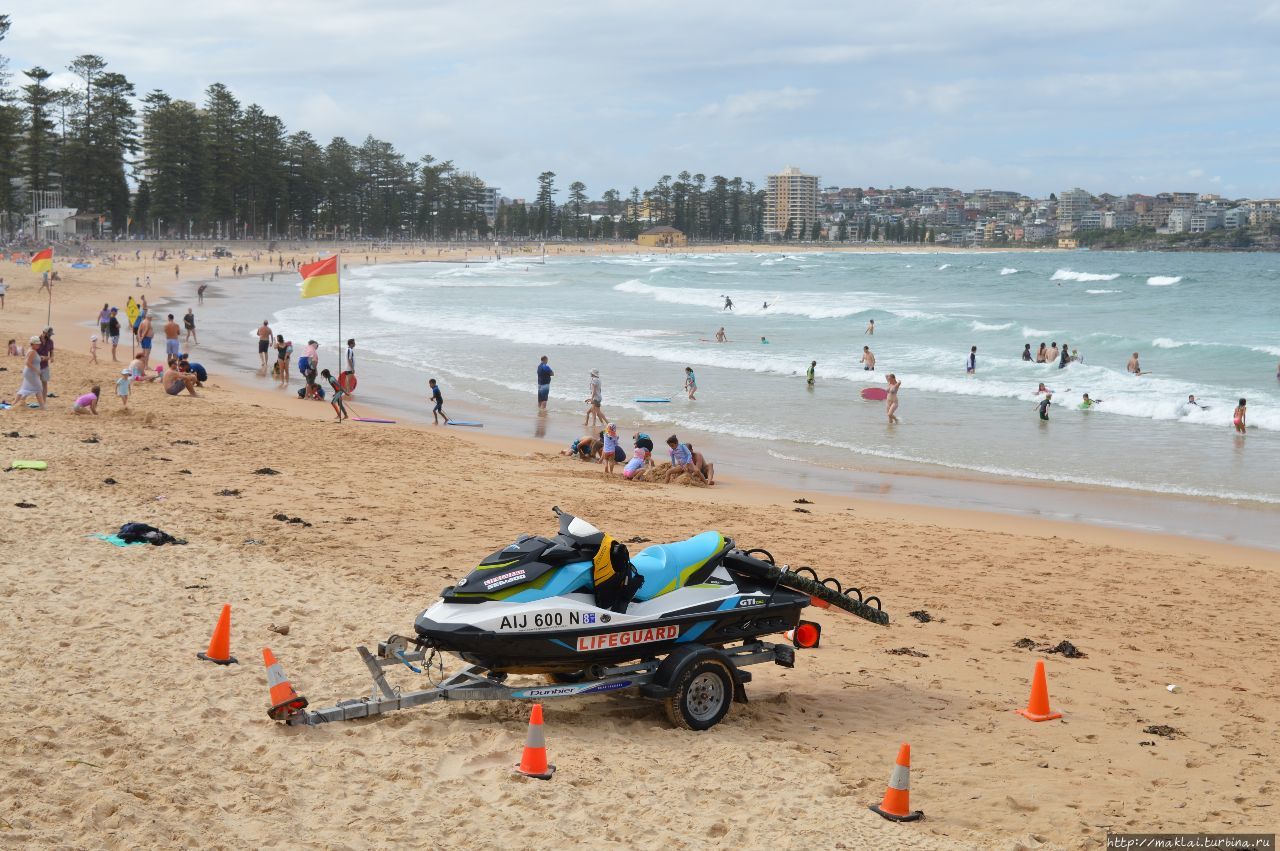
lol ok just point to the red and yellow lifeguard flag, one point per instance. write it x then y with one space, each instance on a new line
320 277
42 261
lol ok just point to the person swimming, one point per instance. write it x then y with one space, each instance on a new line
1043 389
1086 403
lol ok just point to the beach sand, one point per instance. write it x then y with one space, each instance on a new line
116 736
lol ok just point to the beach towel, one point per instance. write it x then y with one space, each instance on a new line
28 465
115 540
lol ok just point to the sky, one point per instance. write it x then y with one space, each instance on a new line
1035 96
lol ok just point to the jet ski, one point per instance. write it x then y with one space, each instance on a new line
579 600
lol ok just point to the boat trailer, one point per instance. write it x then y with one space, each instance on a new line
696 683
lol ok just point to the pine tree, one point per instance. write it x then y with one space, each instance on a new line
40 145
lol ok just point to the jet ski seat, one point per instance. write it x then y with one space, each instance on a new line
666 567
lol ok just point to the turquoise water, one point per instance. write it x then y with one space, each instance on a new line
1205 324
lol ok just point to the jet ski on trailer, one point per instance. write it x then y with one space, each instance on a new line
560 604
677 620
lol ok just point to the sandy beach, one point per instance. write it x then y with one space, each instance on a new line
117 737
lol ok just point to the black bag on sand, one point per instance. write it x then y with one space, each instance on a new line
133 533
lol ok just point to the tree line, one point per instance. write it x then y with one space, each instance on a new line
156 165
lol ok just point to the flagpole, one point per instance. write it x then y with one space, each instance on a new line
337 270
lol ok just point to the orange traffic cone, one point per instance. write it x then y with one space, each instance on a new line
896 805
284 700
806 634
1038 706
534 761
220 645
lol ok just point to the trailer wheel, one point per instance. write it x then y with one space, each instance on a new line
702 695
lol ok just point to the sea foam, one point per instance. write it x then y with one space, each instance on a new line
1068 275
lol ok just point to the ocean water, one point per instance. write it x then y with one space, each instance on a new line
1204 324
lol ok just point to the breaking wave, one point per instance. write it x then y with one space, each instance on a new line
1068 275
1163 280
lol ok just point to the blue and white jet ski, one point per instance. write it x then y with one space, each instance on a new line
578 599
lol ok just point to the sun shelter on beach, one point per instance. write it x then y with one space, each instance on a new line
663 236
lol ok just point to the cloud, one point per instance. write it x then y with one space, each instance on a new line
1028 96
764 100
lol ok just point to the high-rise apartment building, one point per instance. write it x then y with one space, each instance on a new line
1073 204
791 199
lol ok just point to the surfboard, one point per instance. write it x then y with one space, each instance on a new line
652 401
874 394
369 420
463 423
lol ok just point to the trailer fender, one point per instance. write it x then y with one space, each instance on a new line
675 663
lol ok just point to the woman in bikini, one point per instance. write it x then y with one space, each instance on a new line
1238 418
891 397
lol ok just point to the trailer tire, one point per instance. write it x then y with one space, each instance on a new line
701 697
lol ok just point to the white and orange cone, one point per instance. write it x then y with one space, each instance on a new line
284 700
533 763
896 805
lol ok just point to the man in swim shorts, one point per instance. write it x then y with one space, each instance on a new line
171 332
145 335
264 343
868 359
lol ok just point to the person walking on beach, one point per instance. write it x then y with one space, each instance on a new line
971 364
1026 353
871 328
1238 417
189 322
31 386
809 373
728 304
171 344
1043 405
595 396
104 316
3 288
544 382
891 397
200 294
93 349
868 360
1133 366
336 395
351 356
438 398
264 343
690 383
